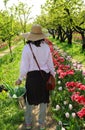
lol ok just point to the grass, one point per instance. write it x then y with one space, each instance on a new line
75 51
10 114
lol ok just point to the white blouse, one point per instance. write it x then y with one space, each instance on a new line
43 56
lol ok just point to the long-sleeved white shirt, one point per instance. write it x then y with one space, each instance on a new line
43 56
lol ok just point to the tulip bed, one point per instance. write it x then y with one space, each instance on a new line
68 98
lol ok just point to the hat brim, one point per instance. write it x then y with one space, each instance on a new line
25 35
35 37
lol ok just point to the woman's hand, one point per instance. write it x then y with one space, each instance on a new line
18 82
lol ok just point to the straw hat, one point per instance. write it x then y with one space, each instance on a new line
35 33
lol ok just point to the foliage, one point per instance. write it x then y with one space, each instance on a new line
8 28
22 13
10 20
63 17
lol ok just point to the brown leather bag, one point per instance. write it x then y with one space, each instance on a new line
51 83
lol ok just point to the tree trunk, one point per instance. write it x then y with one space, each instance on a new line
9 42
60 35
82 32
69 36
52 32
70 39
83 41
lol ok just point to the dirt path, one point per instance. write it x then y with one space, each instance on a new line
50 122
3 53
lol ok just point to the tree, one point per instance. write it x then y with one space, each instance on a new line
80 26
62 17
5 3
46 20
7 26
23 15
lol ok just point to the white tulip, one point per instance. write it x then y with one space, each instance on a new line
65 102
73 115
60 88
67 115
60 122
57 107
70 106
59 82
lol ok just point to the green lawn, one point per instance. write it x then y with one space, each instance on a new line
10 114
75 51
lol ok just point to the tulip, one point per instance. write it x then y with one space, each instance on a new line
83 73
57 107
60 88
60 122
70 106
67 115
73 115
65 102
59 82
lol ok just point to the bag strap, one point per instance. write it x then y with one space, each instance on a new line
36 60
